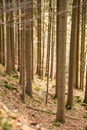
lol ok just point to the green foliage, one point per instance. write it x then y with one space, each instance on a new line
77 99
85 115
5 126
3 64
68 106
86 128
85 101
56 123
35 87
85 105
14 75
8 86
54 97
22 99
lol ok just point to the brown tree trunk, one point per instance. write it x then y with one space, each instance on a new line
77 46
8 45
61 58
28 49
72 60
85 97
48 49
39 39
82 60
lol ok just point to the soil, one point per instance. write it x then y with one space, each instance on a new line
35 109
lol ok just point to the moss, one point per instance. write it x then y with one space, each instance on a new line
5 126
85 115
84 105
8 86
36 87
68 106
56 123
77 99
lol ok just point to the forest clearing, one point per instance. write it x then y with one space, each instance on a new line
43 65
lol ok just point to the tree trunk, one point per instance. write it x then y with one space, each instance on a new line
77 47
28 49
85 97
61 58
8 45
72 60
39 39
82 60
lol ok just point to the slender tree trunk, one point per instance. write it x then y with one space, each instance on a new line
77 47
39 39
61 55
0 38
8 45
85 97
72 60
43 54
52 47
82 61
19 38
12 38
57 48
28 49
48 48
23 54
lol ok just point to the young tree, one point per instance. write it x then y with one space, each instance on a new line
61 57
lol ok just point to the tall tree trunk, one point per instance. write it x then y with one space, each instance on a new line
52 46
43 53
77 46
82 60
72 60
39 39
12 38
22 72
61 55
19 38
8 45
29 49
85 97
48 48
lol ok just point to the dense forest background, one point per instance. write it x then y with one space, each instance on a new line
43 57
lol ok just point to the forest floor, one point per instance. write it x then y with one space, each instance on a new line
35 109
